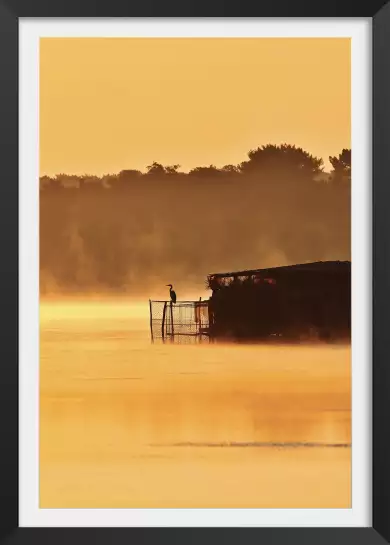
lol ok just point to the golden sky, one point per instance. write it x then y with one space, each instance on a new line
108 104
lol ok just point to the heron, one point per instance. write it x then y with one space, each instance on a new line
172 293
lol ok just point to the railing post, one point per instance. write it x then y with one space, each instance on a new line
172 329
151 319
163 321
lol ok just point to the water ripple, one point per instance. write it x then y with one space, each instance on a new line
257 444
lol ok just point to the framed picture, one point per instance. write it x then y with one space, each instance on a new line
189 345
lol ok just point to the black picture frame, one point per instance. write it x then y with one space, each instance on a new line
10 12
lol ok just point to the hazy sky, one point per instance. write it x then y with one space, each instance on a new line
111 104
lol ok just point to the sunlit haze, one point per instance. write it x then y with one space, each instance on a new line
151 397
111 104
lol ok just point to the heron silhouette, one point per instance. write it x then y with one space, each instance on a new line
172 293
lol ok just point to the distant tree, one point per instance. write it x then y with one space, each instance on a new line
67 181
155 169
129 175
90 182
282 159
341 166
45 182
123 179
230 171
172 170
205 172
233 169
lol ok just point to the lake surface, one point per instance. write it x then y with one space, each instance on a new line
126 423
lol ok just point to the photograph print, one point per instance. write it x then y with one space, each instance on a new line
195 273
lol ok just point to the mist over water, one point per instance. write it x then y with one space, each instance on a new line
143 233
124 423
127 423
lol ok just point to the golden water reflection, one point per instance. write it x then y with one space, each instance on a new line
124 423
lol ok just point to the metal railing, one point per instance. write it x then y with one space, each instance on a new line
182 322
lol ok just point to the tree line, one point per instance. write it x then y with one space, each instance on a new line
136 231
263 161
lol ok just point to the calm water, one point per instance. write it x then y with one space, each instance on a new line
124 423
